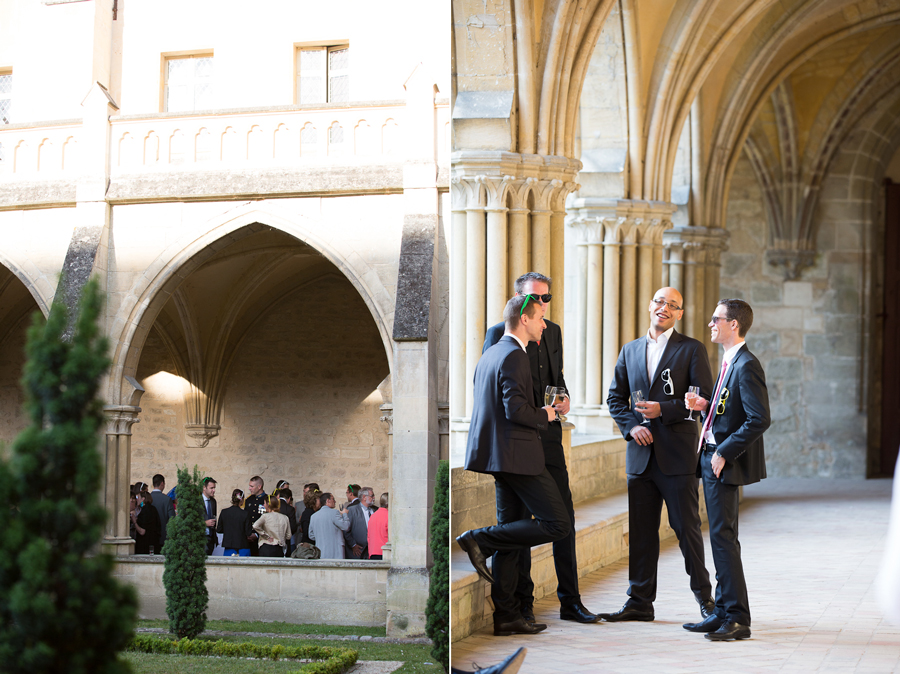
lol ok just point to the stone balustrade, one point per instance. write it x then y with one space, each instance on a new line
357 133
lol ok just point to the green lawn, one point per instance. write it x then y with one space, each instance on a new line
414 656
275 627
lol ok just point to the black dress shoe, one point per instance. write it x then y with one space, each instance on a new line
578 613
510 665
728 631
528 615
707 608
711 624
519 626
629 613
469 545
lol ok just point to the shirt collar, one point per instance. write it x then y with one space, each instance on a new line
663 338
520 342
729 355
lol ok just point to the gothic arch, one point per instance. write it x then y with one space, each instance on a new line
173 265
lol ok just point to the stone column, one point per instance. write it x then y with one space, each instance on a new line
497 249
693 262
476 258
589 383
519 261
457 302
628 283
558 247
544 191
117 469
611 294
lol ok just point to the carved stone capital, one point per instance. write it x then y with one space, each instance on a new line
589 231
544 191
496 188
387 417
120 418
791 261
199 435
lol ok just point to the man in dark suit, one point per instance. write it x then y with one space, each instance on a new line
356 538
661 457
209 513
255 504
546 359
164 507
504 442
732 455
285 495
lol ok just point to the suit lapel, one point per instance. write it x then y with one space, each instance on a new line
639 364
672 347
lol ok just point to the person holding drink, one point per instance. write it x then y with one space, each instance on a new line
546 359
647 397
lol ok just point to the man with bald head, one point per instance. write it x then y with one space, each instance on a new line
661 455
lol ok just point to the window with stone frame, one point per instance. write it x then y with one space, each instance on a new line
188 83
6 82
323 74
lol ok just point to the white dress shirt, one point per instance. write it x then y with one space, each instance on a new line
655 348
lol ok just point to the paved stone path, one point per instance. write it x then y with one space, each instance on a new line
811 551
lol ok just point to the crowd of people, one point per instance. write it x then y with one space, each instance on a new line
257 524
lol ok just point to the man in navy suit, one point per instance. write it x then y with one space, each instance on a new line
546 358
661 457
504 442
731 446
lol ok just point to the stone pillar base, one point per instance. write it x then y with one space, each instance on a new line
407 597
590 420
117 547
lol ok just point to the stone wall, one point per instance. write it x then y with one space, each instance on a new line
807 332
288 590
302 401
12 358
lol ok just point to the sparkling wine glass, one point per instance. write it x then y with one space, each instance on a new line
689 398
561 396
638 397
550 394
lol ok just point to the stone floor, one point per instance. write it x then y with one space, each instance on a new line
811 551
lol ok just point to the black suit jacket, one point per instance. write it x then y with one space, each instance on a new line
212 538
552 341
745 417
166 510
675 439
234 525
503 434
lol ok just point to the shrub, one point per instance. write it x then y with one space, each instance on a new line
437 626
184 576
61 609
331 660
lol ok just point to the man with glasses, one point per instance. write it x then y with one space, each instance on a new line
731 447
504 442
660 458
546 359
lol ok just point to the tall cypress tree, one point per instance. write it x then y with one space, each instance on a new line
61 610
437 625
185 574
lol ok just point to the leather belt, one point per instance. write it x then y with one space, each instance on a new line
708 448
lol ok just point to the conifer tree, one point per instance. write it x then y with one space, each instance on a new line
61 610
184 576
437 626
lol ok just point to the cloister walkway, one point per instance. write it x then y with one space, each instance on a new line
811 551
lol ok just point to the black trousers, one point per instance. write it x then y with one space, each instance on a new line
564 558
518 498
732 602
646 494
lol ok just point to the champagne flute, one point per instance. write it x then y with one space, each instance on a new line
689 398
550 394
561 396
638 397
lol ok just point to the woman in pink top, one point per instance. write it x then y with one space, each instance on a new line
378 528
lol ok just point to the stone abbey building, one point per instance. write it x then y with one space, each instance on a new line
729 148
261 192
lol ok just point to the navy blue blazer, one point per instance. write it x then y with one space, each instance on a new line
503 433
745 417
